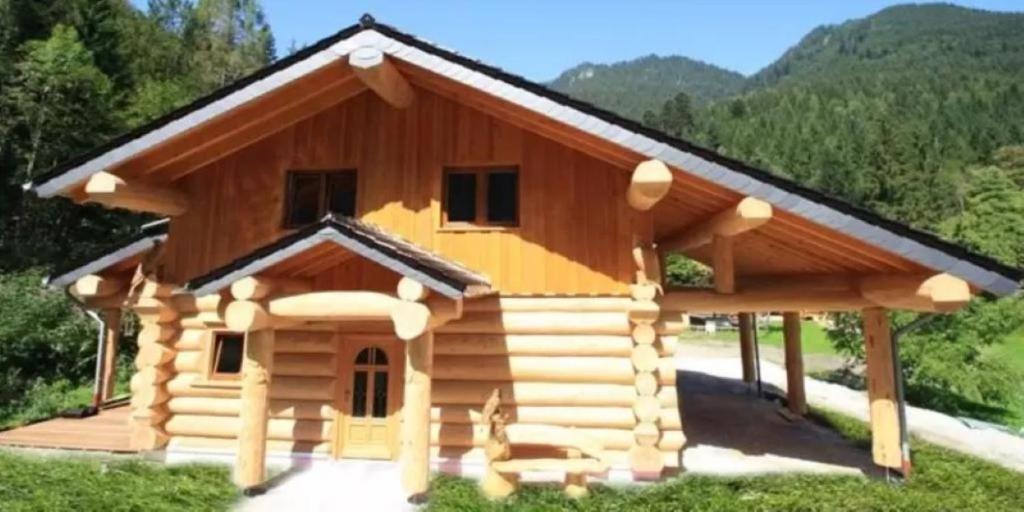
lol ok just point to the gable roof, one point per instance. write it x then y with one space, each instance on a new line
362 238
915 245
149 236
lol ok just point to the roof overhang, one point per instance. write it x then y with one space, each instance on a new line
365 240
917 246
152 235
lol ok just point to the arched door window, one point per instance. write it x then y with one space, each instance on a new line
370 384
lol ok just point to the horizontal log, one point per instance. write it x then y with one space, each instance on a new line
190 361
445 392
649 183
540 323
333 305
767 300
258 287
98 286
750 213
496 303
305 342
185 443
942 293
532 345
294 388
228 427
601 417
113 191
189 339
617 370
305 365
289 409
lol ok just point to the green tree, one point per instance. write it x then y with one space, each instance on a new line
229 39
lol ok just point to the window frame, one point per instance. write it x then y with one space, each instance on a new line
480 221
213 353
322 200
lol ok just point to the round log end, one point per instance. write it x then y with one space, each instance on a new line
412 290
411 319
245 316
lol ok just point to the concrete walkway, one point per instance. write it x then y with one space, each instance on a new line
334 485
941 429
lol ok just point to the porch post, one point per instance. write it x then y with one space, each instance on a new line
415 453
108 377
257 367
885 424
747 346
794 363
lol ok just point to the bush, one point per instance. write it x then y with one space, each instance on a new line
43 338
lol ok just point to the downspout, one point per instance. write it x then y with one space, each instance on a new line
901 405
97 393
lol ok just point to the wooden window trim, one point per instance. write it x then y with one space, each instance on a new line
480 222
209 378
322 199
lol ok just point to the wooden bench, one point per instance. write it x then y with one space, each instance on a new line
582 455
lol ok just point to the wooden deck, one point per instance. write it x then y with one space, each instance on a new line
105 432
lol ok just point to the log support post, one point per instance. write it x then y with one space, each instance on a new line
108 373
646 460
747 346
159 329
885 423
257 367
415 431
795 397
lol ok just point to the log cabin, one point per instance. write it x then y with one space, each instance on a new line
366 240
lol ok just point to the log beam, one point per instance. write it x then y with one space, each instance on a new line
380 74
113 191
940 293
108 376
95 286
748 214
885 423
259 287
650 182
415 430
796 399
722 264
257 367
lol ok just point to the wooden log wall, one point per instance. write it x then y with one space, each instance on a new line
558 361
204 414
158 318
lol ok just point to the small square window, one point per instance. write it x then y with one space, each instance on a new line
481 197
312 194
227 351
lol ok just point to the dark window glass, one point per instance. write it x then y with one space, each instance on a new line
379 357
363 357
228 353
359 395
303 198
380 394
461 197
502 197
341 193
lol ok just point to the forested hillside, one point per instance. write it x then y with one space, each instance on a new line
634 87
73 74
916 112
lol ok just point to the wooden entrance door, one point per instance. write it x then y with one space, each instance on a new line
370 401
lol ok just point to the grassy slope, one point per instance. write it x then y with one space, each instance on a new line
813 337
45 483
942 481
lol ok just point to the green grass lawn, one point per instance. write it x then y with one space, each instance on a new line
813 337
35 483
942 480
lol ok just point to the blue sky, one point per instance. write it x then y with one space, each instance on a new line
539 39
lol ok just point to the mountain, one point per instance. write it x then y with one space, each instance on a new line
905 38
633 87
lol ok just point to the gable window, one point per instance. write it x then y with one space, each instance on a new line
227 352
481 197
312 194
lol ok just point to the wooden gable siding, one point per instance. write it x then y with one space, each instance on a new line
575 231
